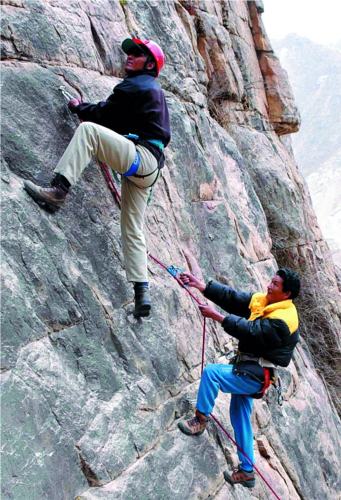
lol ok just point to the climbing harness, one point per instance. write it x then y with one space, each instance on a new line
133 167
258 368
267 380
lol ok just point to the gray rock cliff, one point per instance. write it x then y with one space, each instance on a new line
91 396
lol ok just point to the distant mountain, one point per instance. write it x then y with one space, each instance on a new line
337 45
315 74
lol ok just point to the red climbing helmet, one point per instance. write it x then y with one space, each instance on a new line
153 48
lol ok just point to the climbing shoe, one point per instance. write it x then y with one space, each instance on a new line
142 300
50 198
240 476
193 426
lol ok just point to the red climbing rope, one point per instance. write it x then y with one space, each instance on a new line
245 455
110 182
203 345
104 168
168 269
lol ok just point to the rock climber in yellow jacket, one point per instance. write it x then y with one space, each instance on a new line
266 325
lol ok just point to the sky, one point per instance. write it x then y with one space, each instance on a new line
319 21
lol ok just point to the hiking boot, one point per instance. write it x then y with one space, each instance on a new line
142 300
193 426
50 198
240 476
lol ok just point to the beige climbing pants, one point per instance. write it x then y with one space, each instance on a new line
92 141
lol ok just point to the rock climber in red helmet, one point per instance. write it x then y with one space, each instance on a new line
128 132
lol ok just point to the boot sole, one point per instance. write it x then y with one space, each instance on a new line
189 433
49 207
247 484
143 311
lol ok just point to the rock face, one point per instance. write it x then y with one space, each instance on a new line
281 108
91 396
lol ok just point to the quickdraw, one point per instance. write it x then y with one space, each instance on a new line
278 388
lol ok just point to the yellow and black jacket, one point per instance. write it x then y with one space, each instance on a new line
267 331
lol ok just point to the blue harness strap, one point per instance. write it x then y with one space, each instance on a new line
136 163
132 137
133 167
157 143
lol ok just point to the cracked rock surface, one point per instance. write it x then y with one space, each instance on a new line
90 396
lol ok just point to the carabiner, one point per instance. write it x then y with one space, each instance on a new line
174 270
65 93
278 388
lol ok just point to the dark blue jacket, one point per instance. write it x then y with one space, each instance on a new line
136 106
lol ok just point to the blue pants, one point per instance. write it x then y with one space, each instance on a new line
215 377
